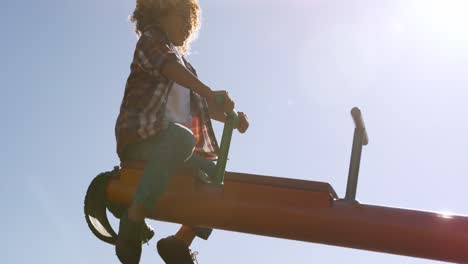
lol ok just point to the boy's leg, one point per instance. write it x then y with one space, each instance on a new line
186 234
198 162
175 249
175 146
209 167
168 151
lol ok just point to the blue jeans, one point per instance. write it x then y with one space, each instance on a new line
164 154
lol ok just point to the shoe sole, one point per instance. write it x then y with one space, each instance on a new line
173 252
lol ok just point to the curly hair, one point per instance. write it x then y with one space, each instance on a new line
149 12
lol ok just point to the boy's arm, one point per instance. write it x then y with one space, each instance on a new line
216 113
220 116
178 73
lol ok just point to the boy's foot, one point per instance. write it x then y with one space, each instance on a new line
204 177
174 251
147 233
128 245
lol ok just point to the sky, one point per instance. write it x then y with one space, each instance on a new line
296 67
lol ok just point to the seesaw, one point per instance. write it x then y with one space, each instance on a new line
284 208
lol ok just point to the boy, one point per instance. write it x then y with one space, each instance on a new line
165 119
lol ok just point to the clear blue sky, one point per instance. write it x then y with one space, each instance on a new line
296 67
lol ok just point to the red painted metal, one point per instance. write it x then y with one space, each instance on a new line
305 211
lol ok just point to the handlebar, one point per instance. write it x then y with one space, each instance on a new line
359 123
220 100
232 119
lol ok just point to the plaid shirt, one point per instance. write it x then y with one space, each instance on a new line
146 92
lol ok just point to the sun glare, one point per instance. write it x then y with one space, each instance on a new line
447 16
446 214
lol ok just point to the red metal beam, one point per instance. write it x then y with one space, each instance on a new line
303 210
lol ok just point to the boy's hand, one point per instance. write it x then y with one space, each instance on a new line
243 122
228 105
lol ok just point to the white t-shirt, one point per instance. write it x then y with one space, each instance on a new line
178 101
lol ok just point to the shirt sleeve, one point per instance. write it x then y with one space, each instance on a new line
153 51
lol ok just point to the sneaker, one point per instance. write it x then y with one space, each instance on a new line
194 254
147 233
208 179
128 244
174 251
202 176
119 211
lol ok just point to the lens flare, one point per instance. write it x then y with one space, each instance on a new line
447 16
446 214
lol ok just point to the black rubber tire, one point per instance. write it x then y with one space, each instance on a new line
95 209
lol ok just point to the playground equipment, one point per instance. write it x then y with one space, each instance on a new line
284 208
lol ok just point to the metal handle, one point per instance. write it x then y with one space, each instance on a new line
360 139
232 119
359 122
